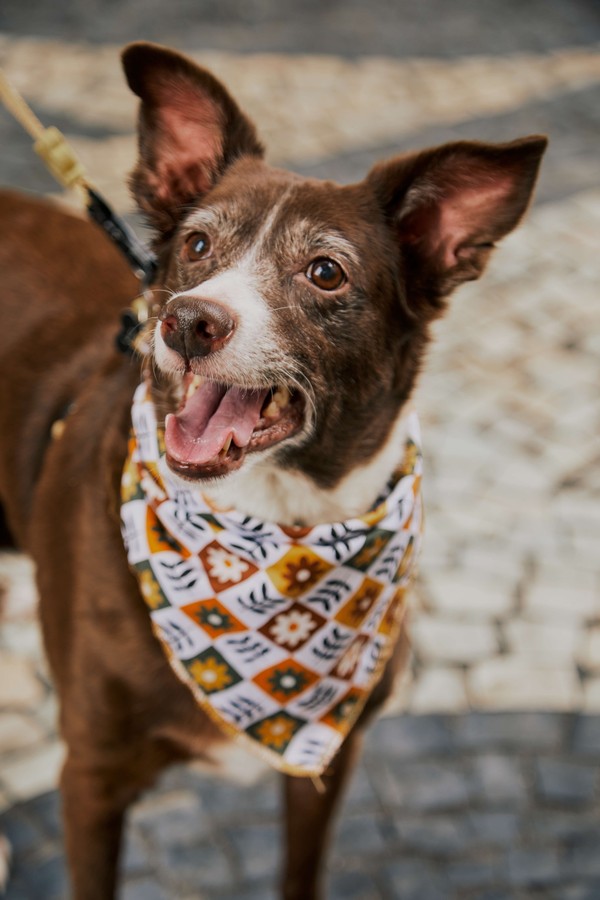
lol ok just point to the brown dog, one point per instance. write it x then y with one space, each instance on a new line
306 306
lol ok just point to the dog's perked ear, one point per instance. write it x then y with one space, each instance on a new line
190 129
449 205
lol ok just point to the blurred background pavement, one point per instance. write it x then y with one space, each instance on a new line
486 786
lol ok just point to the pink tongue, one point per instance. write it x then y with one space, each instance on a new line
198 433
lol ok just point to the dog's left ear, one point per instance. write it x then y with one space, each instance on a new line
190 129
448 206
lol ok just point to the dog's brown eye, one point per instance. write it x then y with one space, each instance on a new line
197 246
326 274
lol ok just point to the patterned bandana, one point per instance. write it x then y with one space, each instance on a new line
280 633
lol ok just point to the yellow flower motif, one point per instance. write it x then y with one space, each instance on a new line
276 732
150 590
211 674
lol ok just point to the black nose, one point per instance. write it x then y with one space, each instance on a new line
195 327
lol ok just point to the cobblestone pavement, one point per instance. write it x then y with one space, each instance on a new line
486 786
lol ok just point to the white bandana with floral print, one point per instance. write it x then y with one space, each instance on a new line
280 633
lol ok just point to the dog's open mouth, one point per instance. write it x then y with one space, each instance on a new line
218 424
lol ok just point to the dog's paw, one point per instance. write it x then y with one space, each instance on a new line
5 856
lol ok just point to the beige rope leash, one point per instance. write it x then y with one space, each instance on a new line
60 158
49 143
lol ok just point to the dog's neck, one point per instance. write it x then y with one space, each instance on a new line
292 498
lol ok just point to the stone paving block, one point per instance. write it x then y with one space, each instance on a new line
588 654
135 855
18 731
520 731
439 689
19 686
439 640
24 833
34 772
591 695
565 782
586 735
352 885
500 779
201 867
415 880
581 858
468 596
45 881
425 786
562 600
361 835
258 847
468 874
46 809
184 824
589 891
533 868
360 795
402 737
545 644
262 891
145 889
433 834
513 682
492 828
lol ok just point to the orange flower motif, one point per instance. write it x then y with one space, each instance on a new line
303 574
276 733
211 674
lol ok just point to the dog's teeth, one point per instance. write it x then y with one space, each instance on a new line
225 448
193 386
281 397
279 401
271 411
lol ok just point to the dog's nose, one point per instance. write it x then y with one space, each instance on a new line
195 327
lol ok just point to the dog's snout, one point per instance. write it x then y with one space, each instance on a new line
194 326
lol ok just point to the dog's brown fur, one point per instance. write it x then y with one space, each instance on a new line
63 287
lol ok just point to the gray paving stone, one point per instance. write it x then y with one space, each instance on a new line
586 735
258 847
352 885
589 891
566 782
522 730
409 736
143 889
425 786
200 866
581 858
500 779
483 872
492 828
346 29
533 868
415 880
439 836
45 881
23 833
360 835
360 794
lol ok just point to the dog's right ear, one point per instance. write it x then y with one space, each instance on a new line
190 129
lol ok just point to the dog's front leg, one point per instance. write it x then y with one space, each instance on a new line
309 815
93 808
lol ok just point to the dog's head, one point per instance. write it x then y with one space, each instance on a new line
295 312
